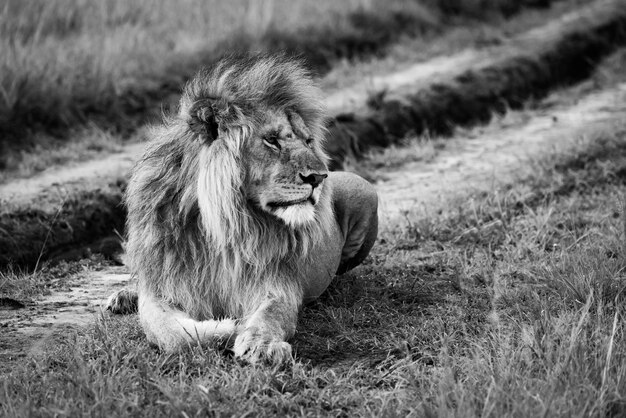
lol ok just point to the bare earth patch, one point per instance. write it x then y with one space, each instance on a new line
25 330
496 154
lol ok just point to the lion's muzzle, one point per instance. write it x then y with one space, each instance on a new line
314 179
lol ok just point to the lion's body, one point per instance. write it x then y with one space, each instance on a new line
231 225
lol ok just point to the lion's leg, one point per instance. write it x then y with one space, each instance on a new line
172 329
356 207
267 330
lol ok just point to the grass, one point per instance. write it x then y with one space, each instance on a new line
373 165
408 150
112 63
28 286
508 303
70 61
87 143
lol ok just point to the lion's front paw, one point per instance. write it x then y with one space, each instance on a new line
122 302
254 346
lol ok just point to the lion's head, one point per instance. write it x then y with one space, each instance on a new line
268 114
286 168
232 187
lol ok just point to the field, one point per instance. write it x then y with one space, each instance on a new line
496 285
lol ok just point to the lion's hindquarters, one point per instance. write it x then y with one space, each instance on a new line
355 202
172 329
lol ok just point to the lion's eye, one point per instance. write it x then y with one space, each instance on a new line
271 141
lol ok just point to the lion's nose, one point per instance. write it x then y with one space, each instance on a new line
314 179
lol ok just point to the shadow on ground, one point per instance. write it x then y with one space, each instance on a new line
375 313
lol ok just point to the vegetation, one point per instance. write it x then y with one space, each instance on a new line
509 303
113 62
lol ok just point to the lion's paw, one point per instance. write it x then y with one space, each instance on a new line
254 347
122 302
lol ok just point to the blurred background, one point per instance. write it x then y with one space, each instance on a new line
78 77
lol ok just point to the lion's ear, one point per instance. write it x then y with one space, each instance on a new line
203 120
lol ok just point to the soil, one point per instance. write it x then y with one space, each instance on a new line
497 154
26 329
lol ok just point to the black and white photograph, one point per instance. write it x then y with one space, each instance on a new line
317 208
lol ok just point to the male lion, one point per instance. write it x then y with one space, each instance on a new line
233 218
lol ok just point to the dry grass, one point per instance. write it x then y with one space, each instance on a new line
509 303
29 285
63 60
408 150
374 164
86 143
113 62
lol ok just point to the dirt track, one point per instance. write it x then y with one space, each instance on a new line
561 53
499 154
30 326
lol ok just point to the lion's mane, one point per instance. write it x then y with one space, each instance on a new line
194 240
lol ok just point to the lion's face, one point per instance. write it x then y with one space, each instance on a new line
286 168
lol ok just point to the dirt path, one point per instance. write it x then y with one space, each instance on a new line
26 330
438 69
55 184
492 156
499 154
445 68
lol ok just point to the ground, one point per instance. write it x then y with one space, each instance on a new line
496 288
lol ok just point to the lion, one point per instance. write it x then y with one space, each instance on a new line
234 221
